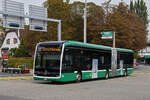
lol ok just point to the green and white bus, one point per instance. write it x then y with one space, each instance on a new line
75 61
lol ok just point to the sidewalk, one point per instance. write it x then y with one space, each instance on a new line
10 76
13 75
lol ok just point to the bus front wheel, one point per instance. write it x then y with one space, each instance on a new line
78 77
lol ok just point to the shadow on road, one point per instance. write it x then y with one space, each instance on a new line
74 82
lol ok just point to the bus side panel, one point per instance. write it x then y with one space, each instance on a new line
37 78
67 77
101 73
124 70
110 73
130 70
86 75
118 72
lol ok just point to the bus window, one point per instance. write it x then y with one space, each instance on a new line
88 63
38 60
128 59
101 63
67 64
102 60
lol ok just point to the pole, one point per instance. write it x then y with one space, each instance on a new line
85 22
59 31
114 57
114 40
18 33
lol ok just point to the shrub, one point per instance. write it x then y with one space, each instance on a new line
19 62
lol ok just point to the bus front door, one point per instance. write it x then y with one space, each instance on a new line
94 68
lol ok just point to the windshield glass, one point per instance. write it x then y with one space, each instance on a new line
48 61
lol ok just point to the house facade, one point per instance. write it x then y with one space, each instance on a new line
11 41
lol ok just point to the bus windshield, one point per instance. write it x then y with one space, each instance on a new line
47 62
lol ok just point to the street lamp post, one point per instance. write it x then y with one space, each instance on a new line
85 22
114 56
114 40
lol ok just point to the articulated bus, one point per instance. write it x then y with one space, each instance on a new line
75 61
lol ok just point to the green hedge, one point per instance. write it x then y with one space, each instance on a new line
19 62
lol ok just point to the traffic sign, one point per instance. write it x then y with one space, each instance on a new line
37 24
14 17
107 35
13 14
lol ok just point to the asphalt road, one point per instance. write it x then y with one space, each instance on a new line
133 87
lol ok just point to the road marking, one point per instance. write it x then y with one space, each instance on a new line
16 78
141 73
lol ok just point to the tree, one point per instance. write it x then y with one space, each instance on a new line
67 1
1 23
72 18
132 6
95 17
106 6
139 7
2 30
57 9
128 27
31 38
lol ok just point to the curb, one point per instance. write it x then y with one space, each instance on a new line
16 78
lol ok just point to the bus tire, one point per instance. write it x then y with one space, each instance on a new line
107 75
78 77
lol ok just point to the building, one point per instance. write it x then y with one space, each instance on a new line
145 53
11 41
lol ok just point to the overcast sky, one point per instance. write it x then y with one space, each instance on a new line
39 2
99 2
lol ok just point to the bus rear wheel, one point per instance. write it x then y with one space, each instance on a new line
78 77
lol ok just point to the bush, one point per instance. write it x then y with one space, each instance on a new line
12 52
18 62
